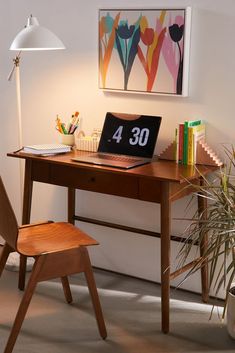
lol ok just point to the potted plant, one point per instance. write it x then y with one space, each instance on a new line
219 228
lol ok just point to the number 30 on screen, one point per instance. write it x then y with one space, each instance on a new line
139 136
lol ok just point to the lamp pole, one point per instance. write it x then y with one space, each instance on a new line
16 69
32 37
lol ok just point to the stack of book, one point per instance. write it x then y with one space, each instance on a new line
188 134
46 149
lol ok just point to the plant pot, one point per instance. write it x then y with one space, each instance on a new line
231 312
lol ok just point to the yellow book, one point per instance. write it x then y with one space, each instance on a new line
190 159
195 134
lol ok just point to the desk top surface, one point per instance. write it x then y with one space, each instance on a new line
158 169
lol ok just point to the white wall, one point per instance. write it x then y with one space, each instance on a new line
64 81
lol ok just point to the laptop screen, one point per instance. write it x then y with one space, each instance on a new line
129 134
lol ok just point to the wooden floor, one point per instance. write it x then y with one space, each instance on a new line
132 313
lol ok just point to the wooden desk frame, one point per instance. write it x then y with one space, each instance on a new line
160 182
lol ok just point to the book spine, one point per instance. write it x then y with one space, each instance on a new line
181 143
190 145
185 144
176 142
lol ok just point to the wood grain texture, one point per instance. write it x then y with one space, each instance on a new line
52 237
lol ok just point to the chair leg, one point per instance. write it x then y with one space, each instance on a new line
6 250
24 305
22 272
66 288
94 294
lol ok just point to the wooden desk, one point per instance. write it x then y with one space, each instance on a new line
158 182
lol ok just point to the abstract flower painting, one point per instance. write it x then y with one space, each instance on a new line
144 50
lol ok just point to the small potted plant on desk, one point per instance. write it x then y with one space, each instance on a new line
217 224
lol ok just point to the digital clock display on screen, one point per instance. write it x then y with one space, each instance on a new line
130 134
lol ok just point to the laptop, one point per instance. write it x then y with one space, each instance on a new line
127 141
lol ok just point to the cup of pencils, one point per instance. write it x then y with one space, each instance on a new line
67 130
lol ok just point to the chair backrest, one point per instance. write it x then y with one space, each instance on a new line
8 222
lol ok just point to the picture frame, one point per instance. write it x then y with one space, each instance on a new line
145 50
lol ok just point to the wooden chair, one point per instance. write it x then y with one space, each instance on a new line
59 250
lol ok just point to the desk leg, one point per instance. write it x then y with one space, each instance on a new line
202 204
165 255
71 204
27 201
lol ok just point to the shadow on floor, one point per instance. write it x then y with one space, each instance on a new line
132 314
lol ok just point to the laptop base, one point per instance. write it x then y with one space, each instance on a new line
111 162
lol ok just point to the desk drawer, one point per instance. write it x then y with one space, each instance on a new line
150 190
41 172
84 179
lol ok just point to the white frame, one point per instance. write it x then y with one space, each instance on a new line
186 53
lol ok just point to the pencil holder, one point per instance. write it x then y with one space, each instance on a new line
67 139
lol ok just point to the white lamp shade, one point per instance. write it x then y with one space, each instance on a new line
36 37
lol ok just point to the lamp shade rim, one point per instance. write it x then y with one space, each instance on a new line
36 37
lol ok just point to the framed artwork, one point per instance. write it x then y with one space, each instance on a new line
144 50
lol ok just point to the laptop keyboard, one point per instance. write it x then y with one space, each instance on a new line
117 157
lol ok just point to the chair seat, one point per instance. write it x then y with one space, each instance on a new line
51 238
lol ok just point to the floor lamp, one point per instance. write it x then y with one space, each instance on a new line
31 38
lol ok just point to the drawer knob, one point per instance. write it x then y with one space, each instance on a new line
92 179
